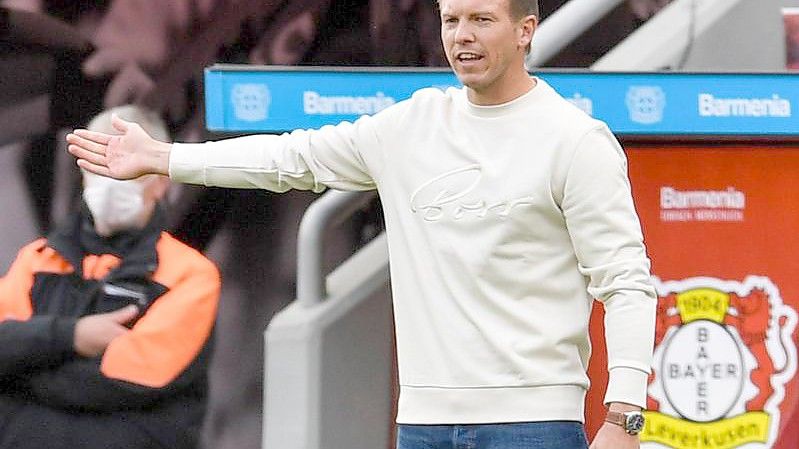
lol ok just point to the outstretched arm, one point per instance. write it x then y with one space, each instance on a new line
348 156
130 154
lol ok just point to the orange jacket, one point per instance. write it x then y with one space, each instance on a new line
157 369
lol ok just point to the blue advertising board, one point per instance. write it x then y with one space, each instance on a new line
274 99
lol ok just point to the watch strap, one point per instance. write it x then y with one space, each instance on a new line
617 418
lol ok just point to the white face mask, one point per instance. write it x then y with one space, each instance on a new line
115 205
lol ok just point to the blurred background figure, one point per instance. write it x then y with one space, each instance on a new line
790 18
106 324
645 9
153 53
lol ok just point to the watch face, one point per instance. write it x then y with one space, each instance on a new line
635 422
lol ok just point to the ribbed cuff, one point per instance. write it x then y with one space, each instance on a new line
627 385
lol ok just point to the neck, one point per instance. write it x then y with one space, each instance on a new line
512 88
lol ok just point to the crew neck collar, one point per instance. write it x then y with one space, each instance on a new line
502 109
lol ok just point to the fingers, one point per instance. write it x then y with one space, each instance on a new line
101 170
124 314
82 153
80 136
85 151
91 155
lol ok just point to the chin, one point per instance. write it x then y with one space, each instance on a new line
469 80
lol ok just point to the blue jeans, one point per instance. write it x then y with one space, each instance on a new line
532 435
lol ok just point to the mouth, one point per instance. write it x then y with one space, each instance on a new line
467 57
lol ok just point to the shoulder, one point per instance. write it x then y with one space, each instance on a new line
429 95
435 93
424 99
434 97
175 256
566 112
422 104
577 128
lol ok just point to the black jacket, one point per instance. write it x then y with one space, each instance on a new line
148 389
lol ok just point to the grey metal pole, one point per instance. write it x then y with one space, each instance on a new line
564 25
311 288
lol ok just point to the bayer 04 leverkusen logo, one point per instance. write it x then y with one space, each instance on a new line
723 354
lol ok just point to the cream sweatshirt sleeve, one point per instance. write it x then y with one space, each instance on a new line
608 242
344 156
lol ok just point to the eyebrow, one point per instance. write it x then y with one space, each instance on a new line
474 14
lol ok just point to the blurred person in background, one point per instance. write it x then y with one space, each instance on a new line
154 53
106 324
503 221
646 9
60 32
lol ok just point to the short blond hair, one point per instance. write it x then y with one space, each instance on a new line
520 8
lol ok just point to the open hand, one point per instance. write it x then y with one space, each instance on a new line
129 155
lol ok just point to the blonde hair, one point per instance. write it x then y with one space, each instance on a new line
520 8
524 8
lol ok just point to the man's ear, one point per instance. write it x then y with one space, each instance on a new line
527 28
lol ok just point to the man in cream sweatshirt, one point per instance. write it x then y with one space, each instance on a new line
507 210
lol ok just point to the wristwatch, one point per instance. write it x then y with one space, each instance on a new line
631 422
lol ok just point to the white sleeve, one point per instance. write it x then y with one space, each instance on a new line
608 242
345 156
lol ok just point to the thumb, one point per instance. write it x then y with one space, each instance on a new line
124 314
119 124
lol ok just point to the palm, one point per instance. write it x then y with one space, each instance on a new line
122 156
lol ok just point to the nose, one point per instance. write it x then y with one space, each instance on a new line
464 32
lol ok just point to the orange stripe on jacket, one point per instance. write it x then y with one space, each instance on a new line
15 286
172 333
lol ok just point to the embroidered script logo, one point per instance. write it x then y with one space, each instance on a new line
448 195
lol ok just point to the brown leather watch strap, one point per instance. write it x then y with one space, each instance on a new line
617 418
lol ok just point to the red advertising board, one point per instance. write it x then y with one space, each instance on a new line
721 224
